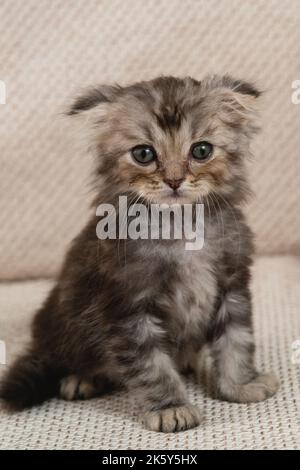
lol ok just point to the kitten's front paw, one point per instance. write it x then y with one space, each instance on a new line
75 388
177 418
262 387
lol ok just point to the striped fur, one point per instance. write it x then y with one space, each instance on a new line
136 313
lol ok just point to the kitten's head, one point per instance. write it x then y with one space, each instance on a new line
172 140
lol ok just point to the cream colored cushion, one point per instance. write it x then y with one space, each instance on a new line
112 423
49 49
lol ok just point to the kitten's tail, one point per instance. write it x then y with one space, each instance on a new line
30 381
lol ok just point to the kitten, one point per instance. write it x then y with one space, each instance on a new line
136 313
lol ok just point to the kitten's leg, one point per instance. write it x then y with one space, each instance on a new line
233 352
163 394
150 371
74 387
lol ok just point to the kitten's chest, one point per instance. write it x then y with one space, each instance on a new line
192 296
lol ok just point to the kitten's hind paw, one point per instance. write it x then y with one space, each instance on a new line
75 388
262 387
173 419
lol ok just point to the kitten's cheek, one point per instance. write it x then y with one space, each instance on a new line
198 167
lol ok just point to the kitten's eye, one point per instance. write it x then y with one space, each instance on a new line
143 154
202 150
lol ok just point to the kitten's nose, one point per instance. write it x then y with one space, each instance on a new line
174 183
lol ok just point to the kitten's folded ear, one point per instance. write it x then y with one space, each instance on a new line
94 97
238 101
90 113
241 87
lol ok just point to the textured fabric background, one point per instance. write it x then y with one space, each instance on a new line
51 48
112 422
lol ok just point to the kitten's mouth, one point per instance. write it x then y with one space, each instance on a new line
177 196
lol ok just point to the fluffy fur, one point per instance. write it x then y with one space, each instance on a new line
136 313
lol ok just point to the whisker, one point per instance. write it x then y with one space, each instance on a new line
231 208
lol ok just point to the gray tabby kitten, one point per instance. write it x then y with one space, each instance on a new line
137 313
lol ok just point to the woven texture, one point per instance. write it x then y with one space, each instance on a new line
111 423
50 49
